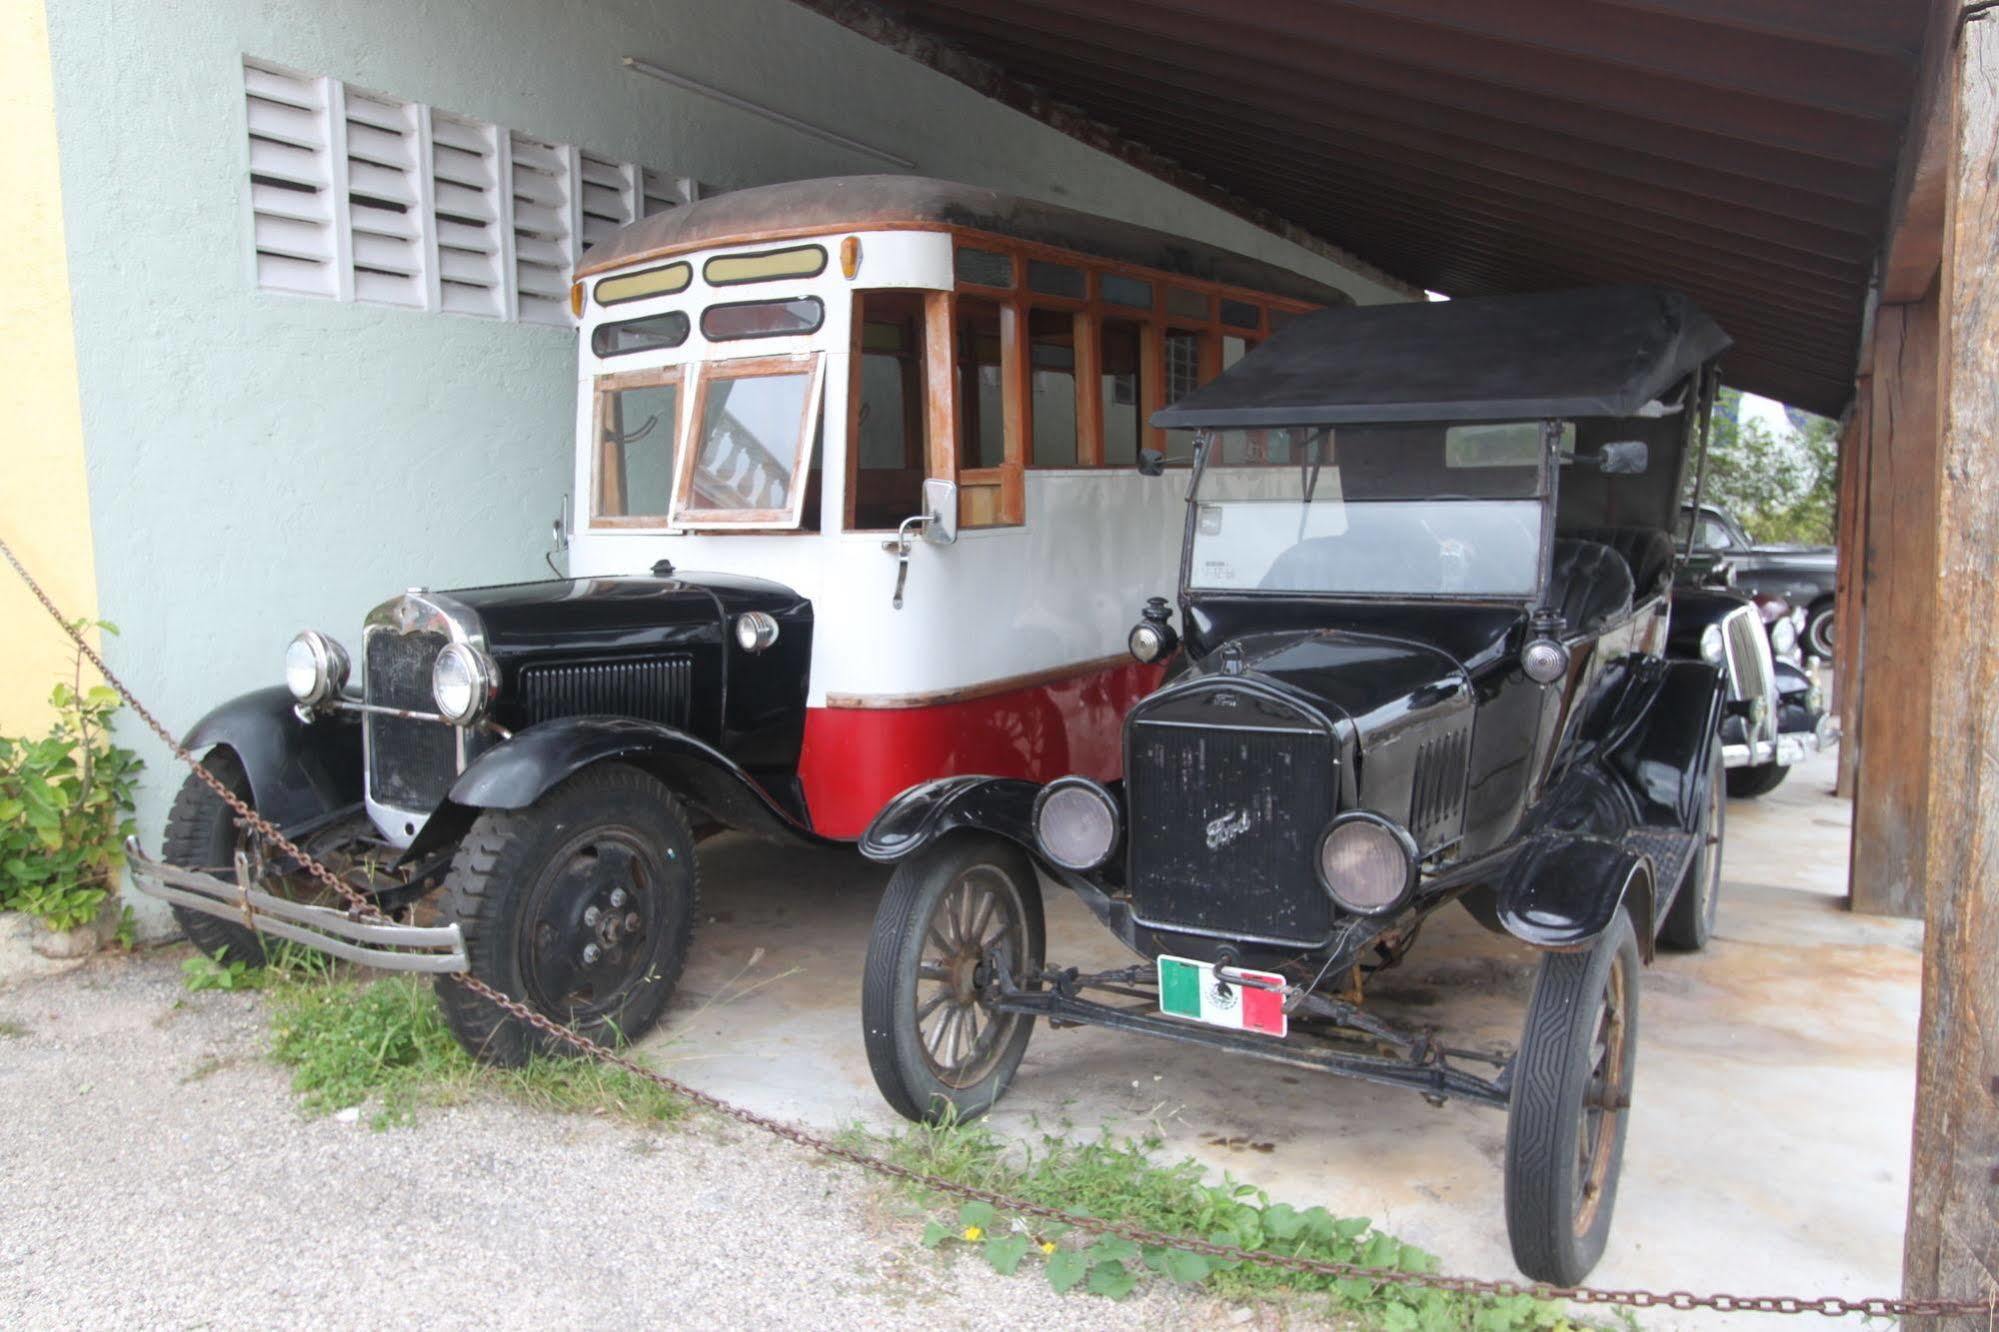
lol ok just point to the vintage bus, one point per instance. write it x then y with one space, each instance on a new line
857 504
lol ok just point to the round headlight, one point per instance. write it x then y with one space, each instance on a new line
1076 823
755 631
1711 648
1147 643
1367 863
1544 660
463 682
1783 636
315 668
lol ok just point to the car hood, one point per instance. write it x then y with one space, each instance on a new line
1794 557
572 616
1376 682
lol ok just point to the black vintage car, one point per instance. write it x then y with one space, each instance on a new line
1802 575
1424 608
1775 715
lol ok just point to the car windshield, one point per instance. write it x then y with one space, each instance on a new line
1404 510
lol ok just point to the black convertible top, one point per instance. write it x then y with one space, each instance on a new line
1600 351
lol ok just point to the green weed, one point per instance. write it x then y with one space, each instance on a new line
13 1031
384 1044
1109 1179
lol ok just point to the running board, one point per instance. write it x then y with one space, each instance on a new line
1433 1078
391 947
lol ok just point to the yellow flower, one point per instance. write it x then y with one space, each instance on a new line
974 1232
1048 1246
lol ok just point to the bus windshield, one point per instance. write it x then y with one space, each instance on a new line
1403 510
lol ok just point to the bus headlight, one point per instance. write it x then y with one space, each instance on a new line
1075 823
315 668
1711 645
755 630
463 682
1367 863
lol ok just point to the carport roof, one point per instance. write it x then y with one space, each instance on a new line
1742 151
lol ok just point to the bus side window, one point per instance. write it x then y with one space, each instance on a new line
1183 376
1123 388
886 455
1052 349
989 408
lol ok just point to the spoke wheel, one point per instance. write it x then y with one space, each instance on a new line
581 906
1571 1107
956 916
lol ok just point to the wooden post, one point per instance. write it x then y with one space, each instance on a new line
1953 1233
1848 611
1897 570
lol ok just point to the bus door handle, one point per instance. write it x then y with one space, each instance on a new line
900 547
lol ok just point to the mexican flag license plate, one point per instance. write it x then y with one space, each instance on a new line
1192 990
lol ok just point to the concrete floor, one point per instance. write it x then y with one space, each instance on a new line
1768 1152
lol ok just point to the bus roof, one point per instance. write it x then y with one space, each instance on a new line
864 203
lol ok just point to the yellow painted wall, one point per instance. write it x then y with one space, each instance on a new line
44 507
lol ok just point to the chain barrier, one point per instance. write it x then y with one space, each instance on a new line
360 907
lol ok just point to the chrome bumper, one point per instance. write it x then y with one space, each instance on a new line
1789 748
435 948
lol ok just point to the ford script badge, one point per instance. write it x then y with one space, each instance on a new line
1227 828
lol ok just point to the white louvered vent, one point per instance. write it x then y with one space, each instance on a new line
291 181
356 195
474 236
610 196
386 207
545 225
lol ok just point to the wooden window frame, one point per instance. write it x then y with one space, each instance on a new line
602 389
750 367
917 431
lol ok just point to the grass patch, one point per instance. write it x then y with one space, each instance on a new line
383 1044
13 1031
1120 1180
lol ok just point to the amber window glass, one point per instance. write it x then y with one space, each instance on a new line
1051 336
636 428
889 436
726 270
661 281
1122 348
982 404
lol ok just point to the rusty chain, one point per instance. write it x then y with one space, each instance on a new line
361 908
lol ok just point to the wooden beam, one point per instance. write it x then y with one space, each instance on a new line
1952 1249
1914 244
1898 577
1847 679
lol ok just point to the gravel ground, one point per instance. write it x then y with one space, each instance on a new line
158 1173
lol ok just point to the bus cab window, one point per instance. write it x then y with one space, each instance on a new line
638 418
888 455
1183 376
1052 346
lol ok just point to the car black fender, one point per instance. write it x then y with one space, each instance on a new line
298 770
1562 891
926 812
520 770
1663 758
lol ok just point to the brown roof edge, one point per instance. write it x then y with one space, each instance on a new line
989 80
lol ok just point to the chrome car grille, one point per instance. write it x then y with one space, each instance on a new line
1224 827
1750 668
411 764
658 689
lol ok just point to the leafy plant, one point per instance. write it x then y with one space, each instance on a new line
1120 1181
384 1043
66 807
202 972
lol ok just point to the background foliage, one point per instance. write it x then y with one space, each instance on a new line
66 808
1781 489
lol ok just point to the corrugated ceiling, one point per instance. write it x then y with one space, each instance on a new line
1740 150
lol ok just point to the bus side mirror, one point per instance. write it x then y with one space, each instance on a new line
1151 462
940 511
